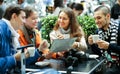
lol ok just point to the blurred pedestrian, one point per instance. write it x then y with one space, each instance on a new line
2 8
77 8
115 10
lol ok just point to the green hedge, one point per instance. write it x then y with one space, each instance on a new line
87 23
47 26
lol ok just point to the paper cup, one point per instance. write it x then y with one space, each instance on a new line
31 51
95 38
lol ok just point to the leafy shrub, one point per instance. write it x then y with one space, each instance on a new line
87 23
47 26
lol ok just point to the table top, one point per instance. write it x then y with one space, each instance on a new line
84 67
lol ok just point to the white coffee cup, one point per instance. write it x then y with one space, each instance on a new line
31 51
95 38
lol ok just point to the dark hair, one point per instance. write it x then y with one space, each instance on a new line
1 1
78 6
71 5
104 9
58 3
12 9
28 10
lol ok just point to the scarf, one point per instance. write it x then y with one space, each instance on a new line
27 33
65 33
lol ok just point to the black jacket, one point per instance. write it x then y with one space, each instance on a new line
112 47
115 11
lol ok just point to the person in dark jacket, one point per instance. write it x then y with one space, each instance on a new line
115 10
77 8
108 43
2 8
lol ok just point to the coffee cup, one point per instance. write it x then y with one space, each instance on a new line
95 38
31 51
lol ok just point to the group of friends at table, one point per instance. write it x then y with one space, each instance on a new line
18 28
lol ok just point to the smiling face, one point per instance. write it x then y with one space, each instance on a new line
63 20
101 20
32 20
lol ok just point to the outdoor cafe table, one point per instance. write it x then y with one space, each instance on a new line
84 67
